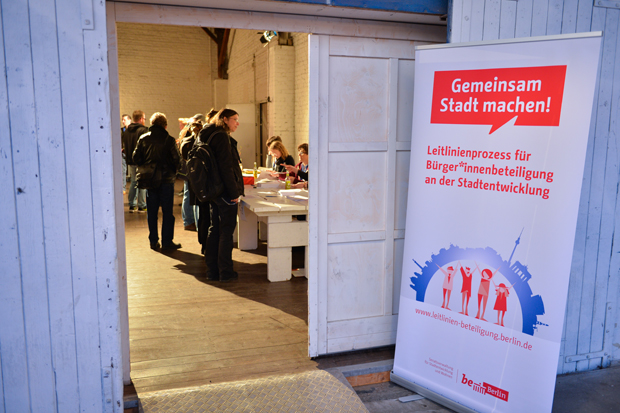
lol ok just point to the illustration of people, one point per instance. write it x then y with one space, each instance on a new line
467 275
483 290
500 302
448 281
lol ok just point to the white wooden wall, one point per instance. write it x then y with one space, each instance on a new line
591 333
59 336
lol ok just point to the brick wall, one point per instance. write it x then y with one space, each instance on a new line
282 94
165 69
173 69
300 41
278 74
243 46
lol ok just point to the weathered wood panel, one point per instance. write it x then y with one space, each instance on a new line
593 291
508 21
27 180
118 191
79 195
51 356
104 217
13 359
53 171
354 285
523 25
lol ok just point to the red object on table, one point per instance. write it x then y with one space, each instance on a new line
248 180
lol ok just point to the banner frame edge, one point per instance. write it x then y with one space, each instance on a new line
508 41
429 394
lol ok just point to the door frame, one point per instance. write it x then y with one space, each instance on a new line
119 12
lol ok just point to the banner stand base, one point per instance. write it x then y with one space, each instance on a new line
431 395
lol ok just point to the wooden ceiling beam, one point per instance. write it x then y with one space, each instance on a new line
220 37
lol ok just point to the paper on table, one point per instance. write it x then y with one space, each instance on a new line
265 183
266 175
294 193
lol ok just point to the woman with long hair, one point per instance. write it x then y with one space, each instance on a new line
281 156
219 244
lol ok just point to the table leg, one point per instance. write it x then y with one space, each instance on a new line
279 264
262 231
279 258
247 229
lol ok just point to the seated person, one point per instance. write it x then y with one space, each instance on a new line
269 159
281 156
301 169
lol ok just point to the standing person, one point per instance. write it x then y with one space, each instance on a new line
218 250
185 146
130 139
448 281
467 275
159 149
502 292
125 121
188 213
201 209
483 290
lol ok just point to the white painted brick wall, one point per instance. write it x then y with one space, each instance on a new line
242 48
282 93
220 93
280 73
300 41
165 69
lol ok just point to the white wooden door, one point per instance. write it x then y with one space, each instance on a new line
361 103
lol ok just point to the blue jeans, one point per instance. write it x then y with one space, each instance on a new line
134 191
187 210
124 172
161 197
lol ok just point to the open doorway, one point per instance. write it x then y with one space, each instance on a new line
184 330
359 104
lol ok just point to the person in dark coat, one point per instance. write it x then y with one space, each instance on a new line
130 137
219 245
281 156
201 209
159 148
125 121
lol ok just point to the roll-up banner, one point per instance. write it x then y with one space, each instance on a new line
499 140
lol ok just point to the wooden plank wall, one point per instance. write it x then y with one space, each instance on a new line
591 326
59 335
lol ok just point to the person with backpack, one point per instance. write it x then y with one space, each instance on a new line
158 160
219 245
201 208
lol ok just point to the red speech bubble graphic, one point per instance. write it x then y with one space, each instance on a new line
495 96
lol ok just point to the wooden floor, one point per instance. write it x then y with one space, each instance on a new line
185 331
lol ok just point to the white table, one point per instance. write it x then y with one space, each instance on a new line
283 232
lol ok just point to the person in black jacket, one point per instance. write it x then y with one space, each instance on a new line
218 249
159 148
130 137
281 156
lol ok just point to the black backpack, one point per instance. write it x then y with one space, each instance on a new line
202 171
